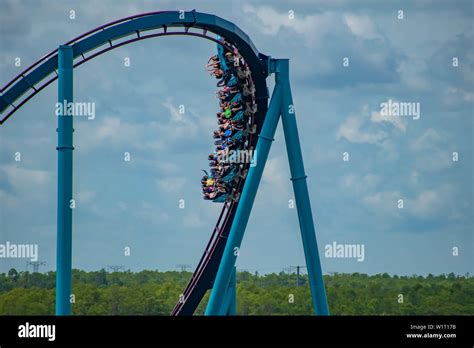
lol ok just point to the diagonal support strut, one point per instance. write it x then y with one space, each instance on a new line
281 103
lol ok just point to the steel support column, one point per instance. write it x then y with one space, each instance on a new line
231 251
64 217
300 188
230 303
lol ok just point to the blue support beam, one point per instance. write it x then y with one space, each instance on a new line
300 188
231 251
232 308
230 302
64 218
281 103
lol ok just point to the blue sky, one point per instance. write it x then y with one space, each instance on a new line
135 204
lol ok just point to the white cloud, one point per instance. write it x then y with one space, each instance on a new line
276 176
383 202
361 128
390 150
468 96
428 140
109 130
193 220
361 26
415 178
166 167
176 116
85 197
24 179
8 200
150 213
122 206
426 204
271 20
361 184
312 26
351 131
152 135
397 122
432 151
171 184
413 73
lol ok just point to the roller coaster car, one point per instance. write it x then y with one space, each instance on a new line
227 197
231 174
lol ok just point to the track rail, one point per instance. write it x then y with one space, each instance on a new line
100 40
35 90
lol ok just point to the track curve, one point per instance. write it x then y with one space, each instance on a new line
35 78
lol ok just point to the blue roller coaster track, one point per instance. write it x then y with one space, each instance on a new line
215 269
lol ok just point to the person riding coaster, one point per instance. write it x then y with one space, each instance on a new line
227 197
213 69
231 143
221 170
227 97
213 65
214 194
225 130
233 106
248 91
242 74
234 97
229 80
227 91
233 81
224 125
213 59
236 100
237 126
224 79
231 174
232 124
238 137
218 189
250 130
233 59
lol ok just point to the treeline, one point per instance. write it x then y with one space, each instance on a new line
156 293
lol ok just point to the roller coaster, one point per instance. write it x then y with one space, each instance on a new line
216 268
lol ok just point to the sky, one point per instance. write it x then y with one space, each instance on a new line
135 203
